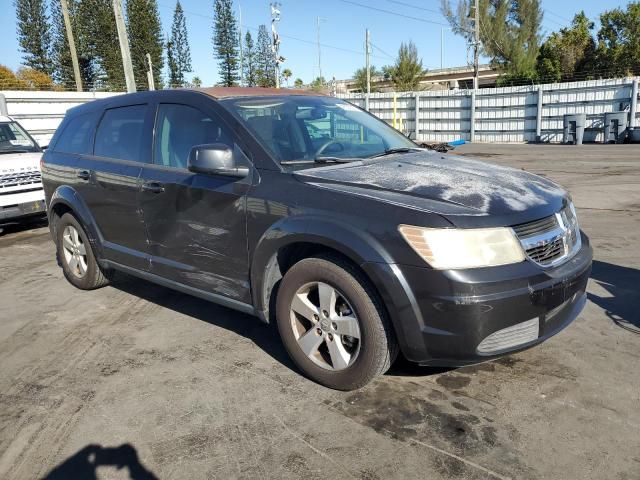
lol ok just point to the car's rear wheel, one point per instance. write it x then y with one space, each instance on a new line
76 255
333 324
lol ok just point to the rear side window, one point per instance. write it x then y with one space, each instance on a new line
120 132
179 128
77 134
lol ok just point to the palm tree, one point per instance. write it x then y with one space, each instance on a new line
286 74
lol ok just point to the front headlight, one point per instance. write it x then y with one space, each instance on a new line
450 248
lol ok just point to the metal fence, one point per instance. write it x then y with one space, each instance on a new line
41 112
504 115
501 115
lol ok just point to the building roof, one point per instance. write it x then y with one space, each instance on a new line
224 92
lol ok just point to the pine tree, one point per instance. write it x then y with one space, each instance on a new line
249 61
99 26
265 64
34 34
225 42
178 51
405 73
145 36
60 54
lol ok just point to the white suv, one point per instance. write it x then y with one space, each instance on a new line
21 193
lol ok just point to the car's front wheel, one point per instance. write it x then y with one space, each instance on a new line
333 324
76 256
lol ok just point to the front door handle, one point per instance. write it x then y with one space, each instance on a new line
153 187
83 174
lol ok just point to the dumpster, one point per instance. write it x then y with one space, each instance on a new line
573 131
615 127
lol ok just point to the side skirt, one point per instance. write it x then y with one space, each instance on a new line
211 297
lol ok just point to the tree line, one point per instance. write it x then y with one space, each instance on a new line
510 35
47 60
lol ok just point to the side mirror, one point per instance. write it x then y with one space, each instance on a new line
216 159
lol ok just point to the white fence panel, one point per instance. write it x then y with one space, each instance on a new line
41 112
503 115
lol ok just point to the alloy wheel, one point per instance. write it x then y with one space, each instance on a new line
75 251
325 326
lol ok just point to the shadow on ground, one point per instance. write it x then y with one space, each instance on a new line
623 283
83 464
264 336
23 225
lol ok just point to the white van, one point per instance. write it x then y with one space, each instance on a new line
21 193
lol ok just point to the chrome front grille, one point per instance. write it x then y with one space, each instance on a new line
19 179
550 240
536 227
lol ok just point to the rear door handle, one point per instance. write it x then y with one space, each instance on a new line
153 187
83 174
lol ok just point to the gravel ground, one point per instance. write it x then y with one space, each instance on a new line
137 381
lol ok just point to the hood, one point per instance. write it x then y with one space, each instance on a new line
11 163
450 185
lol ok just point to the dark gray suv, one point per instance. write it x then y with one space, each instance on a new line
305 210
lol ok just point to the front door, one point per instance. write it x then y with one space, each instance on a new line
108 182
196 223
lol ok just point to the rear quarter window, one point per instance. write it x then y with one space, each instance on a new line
77 134
120 132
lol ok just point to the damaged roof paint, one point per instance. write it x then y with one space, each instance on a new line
450 185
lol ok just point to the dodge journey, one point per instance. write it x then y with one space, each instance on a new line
309 212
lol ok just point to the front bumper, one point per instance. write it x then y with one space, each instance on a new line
20 210
442 317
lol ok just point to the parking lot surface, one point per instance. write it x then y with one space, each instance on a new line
137 381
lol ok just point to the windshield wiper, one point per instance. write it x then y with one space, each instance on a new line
392 151
320 160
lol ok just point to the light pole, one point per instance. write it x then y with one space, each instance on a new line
442 46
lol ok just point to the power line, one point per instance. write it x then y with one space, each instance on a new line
382 51
389 12
558 16
405 4
290 37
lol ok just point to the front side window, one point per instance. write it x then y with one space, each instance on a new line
299 128
179 128
14 139
77 135
120 133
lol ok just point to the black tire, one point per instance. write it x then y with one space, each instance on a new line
378 345
94 277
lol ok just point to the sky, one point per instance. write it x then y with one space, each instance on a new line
342 32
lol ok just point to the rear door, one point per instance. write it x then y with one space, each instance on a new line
196 223
108 182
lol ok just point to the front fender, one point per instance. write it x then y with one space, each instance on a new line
69 198
356 244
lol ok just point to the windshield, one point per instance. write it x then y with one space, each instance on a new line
14 139
298 128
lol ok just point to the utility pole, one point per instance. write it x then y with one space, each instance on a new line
476 43
124 46
240 39
441 48
318 20
275 47
72 44
150 80
367 52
